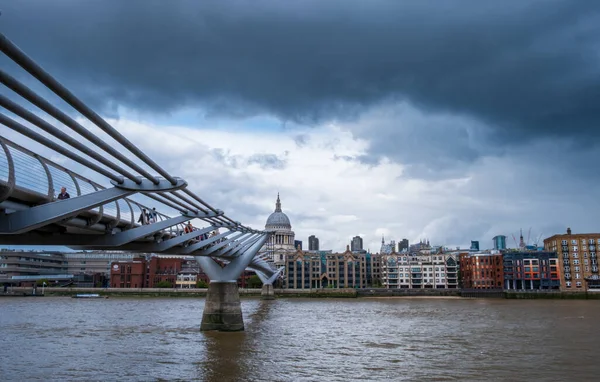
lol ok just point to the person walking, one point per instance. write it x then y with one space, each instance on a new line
153 215
143 219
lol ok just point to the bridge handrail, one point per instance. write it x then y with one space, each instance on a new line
184 200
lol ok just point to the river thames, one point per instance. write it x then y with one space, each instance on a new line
401 339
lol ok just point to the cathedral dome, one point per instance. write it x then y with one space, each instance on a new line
278 219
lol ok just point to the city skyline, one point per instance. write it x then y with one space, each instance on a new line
375 137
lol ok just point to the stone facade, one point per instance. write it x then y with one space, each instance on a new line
281 243
310 270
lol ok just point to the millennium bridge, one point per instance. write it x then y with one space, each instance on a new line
140 207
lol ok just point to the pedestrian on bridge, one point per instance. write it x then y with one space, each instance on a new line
143 219
63 194
153 216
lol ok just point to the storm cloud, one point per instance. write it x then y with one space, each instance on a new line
522 68
452 120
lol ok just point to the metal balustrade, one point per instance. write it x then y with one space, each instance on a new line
95 216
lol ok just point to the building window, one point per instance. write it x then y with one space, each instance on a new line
568 284
577 276
578 284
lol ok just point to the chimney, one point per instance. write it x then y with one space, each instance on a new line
568 231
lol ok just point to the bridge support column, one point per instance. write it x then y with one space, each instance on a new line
267 293
222 309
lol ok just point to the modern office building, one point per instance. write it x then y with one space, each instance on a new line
531 270
474 245
499 242
313 243
89 263
482 270
403 245
298 244
356 245
31 263
578 257
405 271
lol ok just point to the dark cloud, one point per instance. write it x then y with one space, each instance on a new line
435 86
527 68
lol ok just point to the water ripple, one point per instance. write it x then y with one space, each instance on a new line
300 340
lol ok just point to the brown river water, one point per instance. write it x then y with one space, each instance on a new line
379 339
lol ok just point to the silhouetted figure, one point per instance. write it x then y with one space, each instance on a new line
63 194
143 219
153 216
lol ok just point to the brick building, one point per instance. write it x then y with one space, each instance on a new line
578 257
482 270
143 273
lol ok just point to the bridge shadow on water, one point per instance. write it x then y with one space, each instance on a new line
226 354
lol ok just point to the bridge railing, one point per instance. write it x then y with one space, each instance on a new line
29 183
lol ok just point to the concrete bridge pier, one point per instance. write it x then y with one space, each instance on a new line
222 309
267 293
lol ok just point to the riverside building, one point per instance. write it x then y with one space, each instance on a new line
531 270
482 270
315 270
405 271
578 259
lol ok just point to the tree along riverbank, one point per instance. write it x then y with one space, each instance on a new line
310 293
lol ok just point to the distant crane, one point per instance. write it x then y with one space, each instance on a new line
537 242
515 239
528 235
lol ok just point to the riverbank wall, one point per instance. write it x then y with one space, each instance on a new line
552 295
312 293
171 292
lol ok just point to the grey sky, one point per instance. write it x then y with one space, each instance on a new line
441 87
